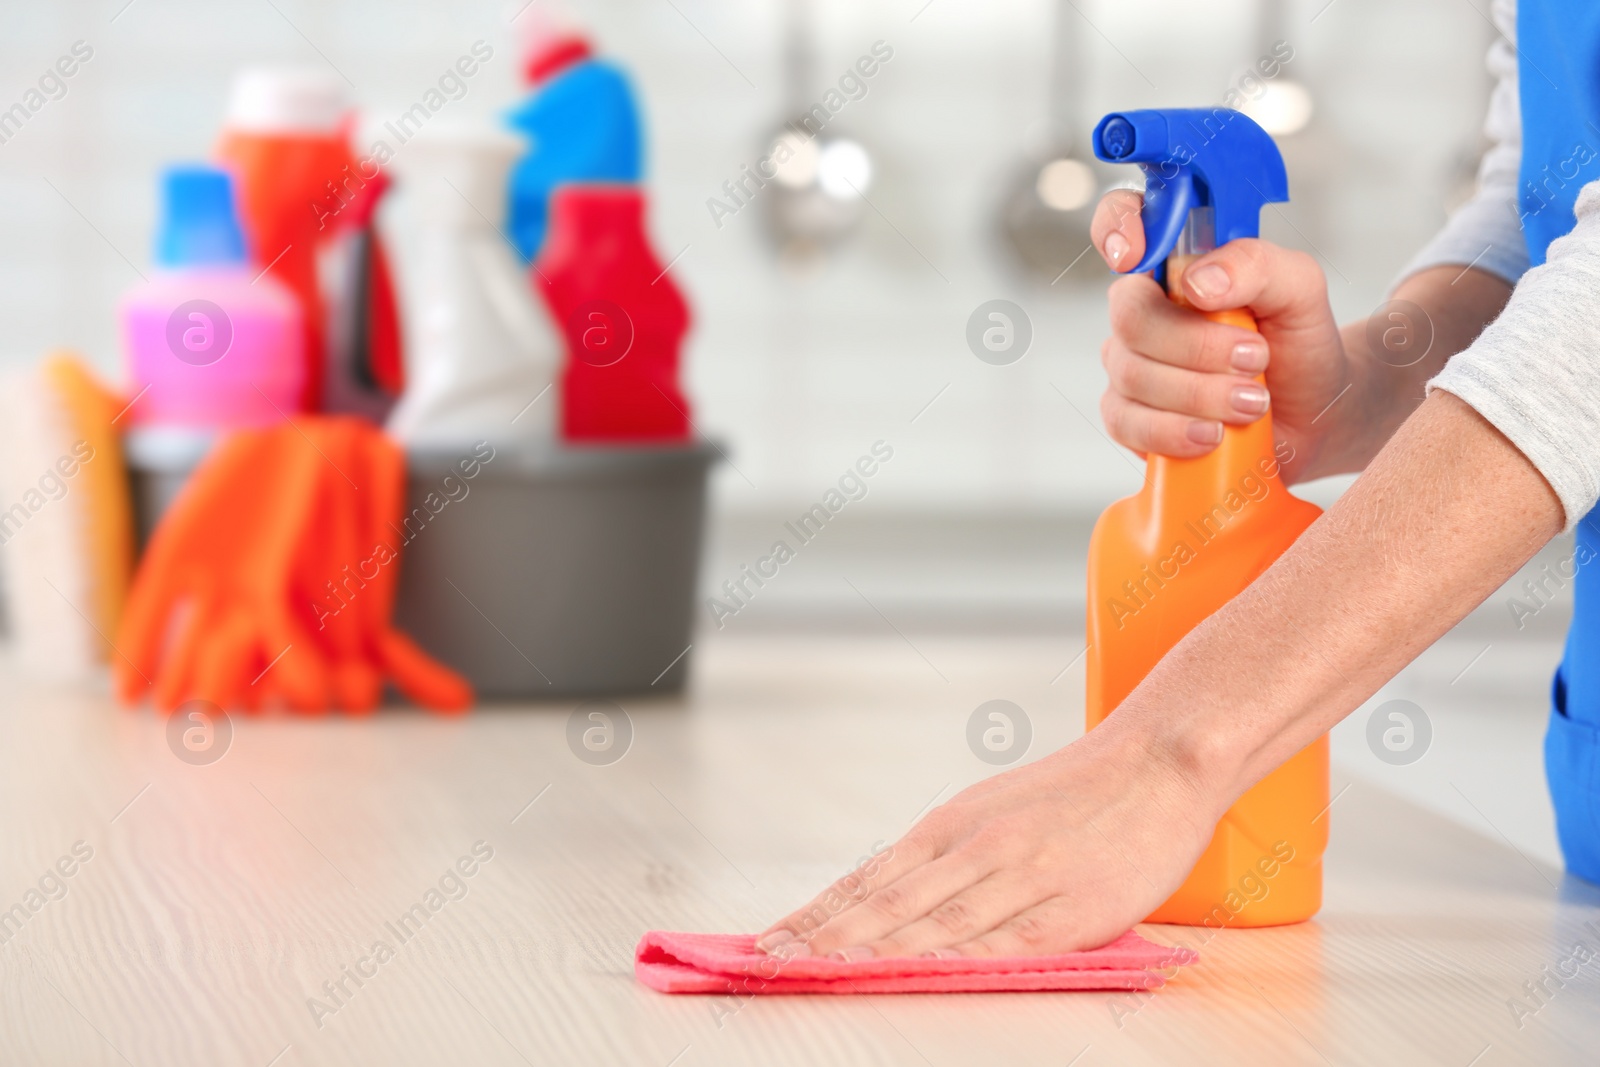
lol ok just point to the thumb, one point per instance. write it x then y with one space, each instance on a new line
1277 284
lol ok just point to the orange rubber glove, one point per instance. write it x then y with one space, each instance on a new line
233 601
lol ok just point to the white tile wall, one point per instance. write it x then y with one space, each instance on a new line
798 374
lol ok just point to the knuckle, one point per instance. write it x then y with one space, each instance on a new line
1111 411
1032 931
1121 372
1304 265
1145 428
1000 834
1119 313
1215 355
1249 255
892 902
953 916
1115 413
1196 345
1196 394
1298 260
934 828
1123 304
1043 871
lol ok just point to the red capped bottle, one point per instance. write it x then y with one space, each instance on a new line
622 318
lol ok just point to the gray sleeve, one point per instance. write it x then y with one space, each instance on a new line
1535 371
1485 231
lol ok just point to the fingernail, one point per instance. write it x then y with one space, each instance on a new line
1250 357
1205 433
854 954
1249 399
1209 281
775 940
1116 248
942 954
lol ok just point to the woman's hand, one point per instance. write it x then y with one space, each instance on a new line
1177 378
1063 854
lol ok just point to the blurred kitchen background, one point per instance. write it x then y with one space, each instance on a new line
799 362
826 325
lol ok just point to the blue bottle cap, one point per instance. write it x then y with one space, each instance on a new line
199 223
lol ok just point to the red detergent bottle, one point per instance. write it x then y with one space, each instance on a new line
301 191
621 317
282 139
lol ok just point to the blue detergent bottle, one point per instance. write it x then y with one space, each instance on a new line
582 122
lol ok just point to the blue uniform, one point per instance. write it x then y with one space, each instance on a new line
1558 78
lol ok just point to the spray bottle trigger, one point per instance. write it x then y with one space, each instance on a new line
1195 157
1167 202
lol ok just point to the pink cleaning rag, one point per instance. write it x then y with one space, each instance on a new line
731 963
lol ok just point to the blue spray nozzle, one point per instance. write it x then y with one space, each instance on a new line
1195 157
199 220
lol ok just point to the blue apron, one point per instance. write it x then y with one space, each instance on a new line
1559 80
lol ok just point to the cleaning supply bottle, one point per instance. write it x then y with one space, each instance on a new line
209 345
1201 530
483 354
286 139
622 317
582 123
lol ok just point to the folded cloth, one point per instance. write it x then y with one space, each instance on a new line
731 963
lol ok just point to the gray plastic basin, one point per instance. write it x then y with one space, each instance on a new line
561 572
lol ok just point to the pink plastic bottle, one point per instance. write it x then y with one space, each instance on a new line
209 345
622 318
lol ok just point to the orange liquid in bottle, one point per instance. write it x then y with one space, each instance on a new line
1160 562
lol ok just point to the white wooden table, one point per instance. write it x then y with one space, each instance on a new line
220 898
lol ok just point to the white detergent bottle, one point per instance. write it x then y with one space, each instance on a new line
482 355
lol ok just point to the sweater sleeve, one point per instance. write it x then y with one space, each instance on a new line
1534 373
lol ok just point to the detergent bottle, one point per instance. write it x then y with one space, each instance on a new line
286 138
582 124
483 353
1201 530
209 345
622 318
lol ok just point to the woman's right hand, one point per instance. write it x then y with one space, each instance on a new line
1177 378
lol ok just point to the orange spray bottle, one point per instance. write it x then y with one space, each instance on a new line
1200 530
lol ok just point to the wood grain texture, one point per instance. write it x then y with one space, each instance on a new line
220 898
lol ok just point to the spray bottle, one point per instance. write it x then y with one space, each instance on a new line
1201 530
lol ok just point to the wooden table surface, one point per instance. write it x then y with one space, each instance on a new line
207 904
